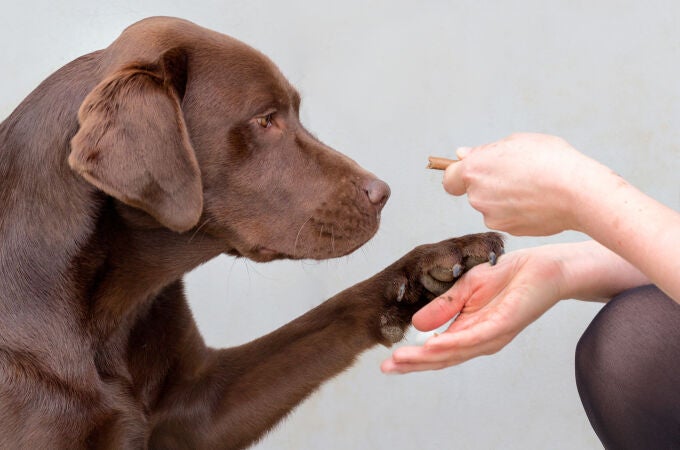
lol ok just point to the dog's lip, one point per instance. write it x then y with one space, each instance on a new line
264 254
265 251
261 253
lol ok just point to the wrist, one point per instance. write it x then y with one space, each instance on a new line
591 192
542 270
589 271
554 262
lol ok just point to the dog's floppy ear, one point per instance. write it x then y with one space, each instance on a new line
133 143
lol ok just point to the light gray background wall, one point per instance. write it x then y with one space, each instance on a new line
388 83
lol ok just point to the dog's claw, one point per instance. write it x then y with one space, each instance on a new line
493 258
401 292
457 270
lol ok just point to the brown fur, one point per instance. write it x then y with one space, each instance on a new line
124 170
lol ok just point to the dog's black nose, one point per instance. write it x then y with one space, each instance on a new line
378 192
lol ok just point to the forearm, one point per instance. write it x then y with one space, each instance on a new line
233 396
590 271
641 230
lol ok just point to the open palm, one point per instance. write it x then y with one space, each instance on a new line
492 303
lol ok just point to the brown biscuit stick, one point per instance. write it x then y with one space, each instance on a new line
439 163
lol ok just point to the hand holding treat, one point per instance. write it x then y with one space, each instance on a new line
526 184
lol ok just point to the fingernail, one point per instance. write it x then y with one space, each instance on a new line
462 152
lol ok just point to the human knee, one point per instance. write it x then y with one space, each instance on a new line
626 336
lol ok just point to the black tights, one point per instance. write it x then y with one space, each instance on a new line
628 371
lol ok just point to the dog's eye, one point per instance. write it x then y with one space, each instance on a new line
265 121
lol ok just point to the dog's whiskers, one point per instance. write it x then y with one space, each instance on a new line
297 237
332 239
193 235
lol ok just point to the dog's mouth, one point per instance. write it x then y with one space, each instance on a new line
266 254
316 245
307 239
329 229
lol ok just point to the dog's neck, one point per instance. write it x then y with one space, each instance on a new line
136 261
47 210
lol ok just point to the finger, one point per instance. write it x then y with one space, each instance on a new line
439 360
422 355
454 182
453 179
454 350
463 322
418 354
477 335
407 359
390 367
438 311
446 306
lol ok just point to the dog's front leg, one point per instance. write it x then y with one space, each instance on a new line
242 392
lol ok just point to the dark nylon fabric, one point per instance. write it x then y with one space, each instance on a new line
628 371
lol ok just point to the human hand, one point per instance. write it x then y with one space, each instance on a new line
494 304
525 184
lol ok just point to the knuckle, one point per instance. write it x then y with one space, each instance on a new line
468 176
476 203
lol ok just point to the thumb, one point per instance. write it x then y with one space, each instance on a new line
438 311
462 152
453 177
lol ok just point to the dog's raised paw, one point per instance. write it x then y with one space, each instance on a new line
428 271
433 268
441 264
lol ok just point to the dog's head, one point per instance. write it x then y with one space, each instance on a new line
201 133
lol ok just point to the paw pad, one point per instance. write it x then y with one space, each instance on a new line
393 333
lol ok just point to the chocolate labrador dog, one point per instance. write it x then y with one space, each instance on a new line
132 165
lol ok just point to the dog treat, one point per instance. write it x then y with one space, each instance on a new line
439 163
